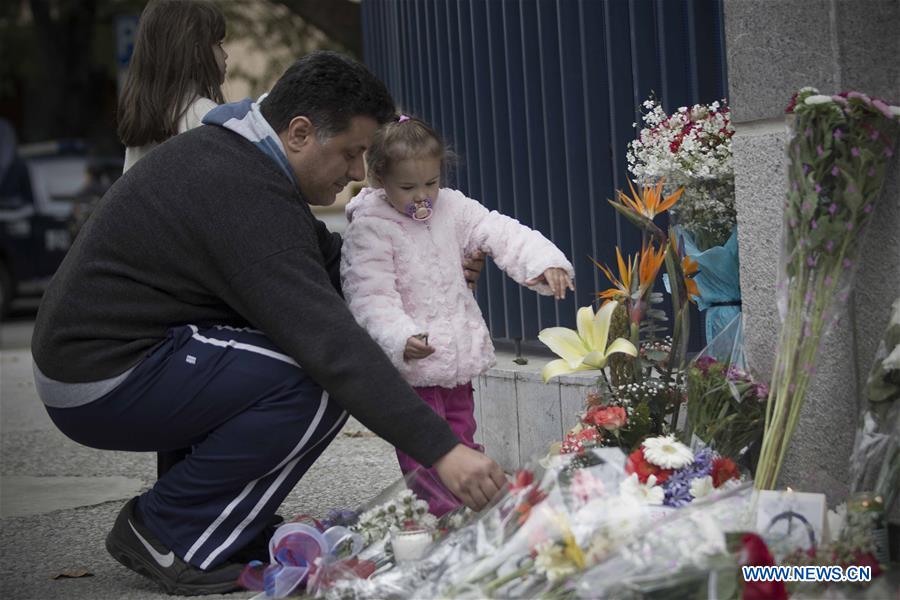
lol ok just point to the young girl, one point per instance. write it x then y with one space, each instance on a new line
402 275
175 76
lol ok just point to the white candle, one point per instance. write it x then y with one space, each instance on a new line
410 545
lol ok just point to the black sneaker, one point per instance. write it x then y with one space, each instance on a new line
133 545
258 547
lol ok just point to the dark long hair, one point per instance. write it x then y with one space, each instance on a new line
173 60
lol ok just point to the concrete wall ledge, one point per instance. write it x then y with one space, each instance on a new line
519 416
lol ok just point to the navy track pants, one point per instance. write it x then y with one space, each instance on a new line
255 420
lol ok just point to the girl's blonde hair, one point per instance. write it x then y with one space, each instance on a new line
403 138
173 60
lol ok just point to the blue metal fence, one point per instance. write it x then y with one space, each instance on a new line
538 98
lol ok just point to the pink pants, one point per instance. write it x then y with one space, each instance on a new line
457 407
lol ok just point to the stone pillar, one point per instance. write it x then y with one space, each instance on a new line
775 47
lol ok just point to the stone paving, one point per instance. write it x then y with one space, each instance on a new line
58 499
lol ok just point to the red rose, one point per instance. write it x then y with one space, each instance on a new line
607 417
755 553
636 463
866 559
724 469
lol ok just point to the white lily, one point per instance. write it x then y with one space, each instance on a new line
588 348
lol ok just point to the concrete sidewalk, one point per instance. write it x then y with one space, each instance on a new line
58 499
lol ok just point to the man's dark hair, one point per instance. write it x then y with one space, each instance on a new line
329 89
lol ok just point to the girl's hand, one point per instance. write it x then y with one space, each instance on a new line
416 348
558 280
472 266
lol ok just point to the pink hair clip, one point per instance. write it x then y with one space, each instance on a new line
403 118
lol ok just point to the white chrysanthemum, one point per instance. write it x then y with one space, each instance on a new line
702 487
667 453
552 562
818 99
631 489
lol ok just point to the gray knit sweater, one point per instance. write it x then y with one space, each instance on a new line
210 231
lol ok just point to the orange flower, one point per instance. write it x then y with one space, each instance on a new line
650 262
622 286
690 268
650 202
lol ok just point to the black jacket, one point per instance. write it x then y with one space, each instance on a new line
208 230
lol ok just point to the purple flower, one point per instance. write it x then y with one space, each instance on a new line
705 362
794 186
867 208
806 169
678 493
859 96
888 151
874 135
871 171
809 295
762 391
835 171
847 263
819 150
828 280
854 151
838 134
829 245
832 209
808 132
818 188
839 99
850 226
703 460
810 261
813 224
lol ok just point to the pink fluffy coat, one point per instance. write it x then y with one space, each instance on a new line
403 277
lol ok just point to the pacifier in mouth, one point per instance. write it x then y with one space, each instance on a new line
420 211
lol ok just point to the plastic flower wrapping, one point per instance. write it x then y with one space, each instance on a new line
875 462
838 156
726 404
311 555
558 520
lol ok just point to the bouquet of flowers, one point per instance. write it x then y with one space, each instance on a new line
725 404
314 555
644 380
838 156
690 148
667 472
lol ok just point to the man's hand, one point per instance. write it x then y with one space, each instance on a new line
472 266
557 279
417 348
470 475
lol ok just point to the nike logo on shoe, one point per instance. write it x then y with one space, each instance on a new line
164 560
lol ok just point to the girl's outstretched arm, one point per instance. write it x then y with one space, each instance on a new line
523 253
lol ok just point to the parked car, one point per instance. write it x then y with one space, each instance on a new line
39 186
